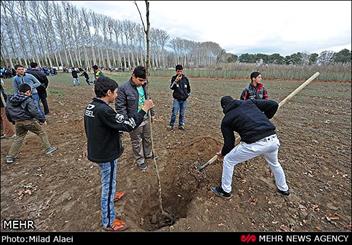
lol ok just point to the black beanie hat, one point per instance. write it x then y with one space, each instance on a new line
225 101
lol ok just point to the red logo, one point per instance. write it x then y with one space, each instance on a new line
248 238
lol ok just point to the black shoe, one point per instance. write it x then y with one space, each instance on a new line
152 157
143 166
170 127
220 192
181 127
285 193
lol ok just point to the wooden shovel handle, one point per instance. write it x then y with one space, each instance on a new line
213 159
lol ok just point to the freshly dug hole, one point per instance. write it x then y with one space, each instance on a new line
180 183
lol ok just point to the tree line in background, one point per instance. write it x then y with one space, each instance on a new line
62 35
325 58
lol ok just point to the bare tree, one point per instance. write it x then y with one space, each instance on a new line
116 27
69 21
10 7
326 57
126 32
26 23
60 27
87 22
9 32
47 10
4 51
146 31
141 44
163 38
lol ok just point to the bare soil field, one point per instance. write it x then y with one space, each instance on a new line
61 192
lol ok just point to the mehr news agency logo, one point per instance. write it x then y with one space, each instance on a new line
295 238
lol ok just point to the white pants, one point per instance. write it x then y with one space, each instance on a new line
268 147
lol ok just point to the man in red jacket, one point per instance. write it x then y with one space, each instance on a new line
255 89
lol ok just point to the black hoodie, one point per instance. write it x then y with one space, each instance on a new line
247 119
21 107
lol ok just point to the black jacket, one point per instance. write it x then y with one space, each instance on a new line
181 89
248 120
21 107
74 74
102 125
42 78
85 74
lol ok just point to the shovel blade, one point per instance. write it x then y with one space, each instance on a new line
202 166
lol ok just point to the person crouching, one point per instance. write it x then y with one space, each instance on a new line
22 110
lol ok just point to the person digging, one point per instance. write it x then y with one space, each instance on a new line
258 137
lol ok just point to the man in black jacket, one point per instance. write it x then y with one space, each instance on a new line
86 76
102 126
180 86
75 77
42 78
250 119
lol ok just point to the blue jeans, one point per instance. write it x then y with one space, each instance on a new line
108 189
75 81
178 106
36 101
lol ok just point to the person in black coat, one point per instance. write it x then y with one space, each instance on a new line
86 76
43 79
250 119
181 91
75 76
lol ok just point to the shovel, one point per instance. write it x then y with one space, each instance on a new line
213 159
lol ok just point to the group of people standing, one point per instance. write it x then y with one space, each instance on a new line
23 109
75 75
249 117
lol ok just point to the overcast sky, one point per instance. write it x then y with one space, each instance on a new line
245 26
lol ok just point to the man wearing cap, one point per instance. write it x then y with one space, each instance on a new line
250 119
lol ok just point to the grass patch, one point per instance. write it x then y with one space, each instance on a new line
56 92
